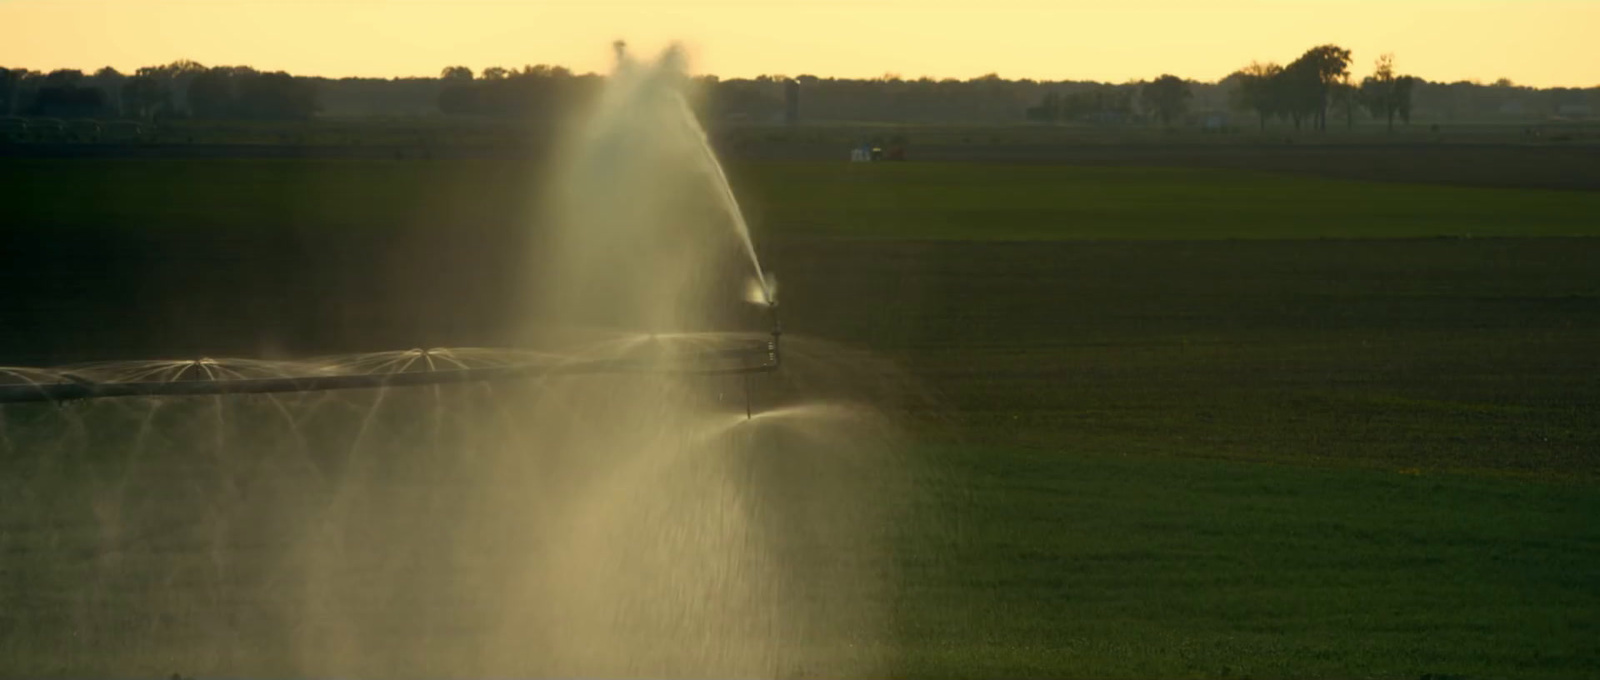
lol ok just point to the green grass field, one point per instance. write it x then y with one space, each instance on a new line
1044 202
1172 422
885 201
1067 563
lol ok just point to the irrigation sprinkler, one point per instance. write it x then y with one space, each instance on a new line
743 357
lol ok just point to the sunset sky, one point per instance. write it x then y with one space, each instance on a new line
1534 42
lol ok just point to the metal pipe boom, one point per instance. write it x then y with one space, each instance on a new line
758 357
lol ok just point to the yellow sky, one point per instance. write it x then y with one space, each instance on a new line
1535 42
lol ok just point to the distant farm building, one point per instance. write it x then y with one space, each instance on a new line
873 151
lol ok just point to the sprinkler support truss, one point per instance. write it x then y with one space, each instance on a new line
748 357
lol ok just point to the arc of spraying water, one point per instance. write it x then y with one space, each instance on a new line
730 203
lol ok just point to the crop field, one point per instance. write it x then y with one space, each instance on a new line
914 201
1167 421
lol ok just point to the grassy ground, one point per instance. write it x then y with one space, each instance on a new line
1183 422
888 201
953 201
1466 355
1092 563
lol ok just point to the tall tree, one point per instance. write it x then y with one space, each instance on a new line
10 88
65 93
456 73
211 94
145 95
64 77
1346 97
1299 93
1403 86
175 77
276 96
1258 90
1314 75
109 81
1386 94
1167 96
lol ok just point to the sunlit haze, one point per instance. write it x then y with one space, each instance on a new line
1534 42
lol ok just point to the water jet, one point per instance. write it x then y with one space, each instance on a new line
591 504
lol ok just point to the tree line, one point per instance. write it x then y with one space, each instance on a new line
1306 89
500 91
181 88
1305 93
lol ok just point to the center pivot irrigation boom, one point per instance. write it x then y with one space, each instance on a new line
741 357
